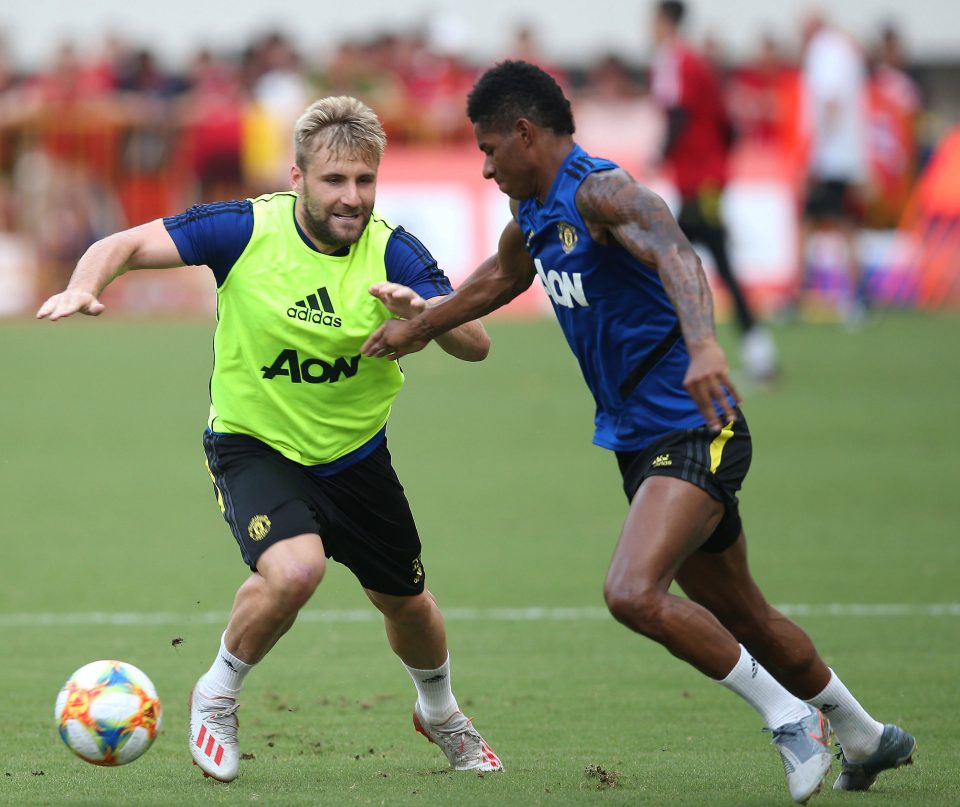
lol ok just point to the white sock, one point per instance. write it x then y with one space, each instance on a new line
434 693
225 676
858 733
763 692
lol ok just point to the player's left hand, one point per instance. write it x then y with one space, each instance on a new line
708 382
401 301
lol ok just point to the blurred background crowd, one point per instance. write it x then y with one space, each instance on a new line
95 140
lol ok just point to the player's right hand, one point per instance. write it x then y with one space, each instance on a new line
393 339
708 382
70 302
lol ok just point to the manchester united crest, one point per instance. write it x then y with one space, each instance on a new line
258 527
568 236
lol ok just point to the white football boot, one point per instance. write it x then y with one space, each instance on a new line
460 741
213 735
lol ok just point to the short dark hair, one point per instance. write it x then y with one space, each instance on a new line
512 90
673 10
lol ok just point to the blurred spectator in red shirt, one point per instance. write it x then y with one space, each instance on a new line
73 111
146 94
698 141
212 116
11 109
384 71
764 101
437 80
69 123
893 109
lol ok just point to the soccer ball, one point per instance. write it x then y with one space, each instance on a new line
108 713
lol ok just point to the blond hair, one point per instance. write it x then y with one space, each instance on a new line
345 125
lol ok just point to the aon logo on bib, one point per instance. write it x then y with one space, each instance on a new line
311 371
564 288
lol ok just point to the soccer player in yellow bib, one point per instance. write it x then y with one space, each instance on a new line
296 441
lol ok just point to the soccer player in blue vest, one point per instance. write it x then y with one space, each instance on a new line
632 300
296 442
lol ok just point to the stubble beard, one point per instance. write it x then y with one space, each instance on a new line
322 231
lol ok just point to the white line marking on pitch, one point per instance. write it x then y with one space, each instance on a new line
532 614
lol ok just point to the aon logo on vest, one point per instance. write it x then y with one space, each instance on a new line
313 371
564 289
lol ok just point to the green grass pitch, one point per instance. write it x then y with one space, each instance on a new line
114 548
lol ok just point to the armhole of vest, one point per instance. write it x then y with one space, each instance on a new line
253 235
608 166
576 208
389 231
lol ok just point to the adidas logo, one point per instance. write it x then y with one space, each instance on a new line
662 461
315 308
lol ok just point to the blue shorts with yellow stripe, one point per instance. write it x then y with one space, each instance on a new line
716 463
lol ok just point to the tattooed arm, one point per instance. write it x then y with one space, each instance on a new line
497 280
618 210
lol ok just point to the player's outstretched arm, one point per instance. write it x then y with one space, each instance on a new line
468 341
616 208
147 246
497 280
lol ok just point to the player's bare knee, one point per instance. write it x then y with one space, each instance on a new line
637 606
292 583
409 610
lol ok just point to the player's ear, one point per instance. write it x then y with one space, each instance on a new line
525 130
296 178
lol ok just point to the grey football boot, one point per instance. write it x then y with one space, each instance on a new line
896 748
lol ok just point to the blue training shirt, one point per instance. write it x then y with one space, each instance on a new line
216 235
615 314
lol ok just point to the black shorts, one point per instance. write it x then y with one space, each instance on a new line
716 463
833 200
360 513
